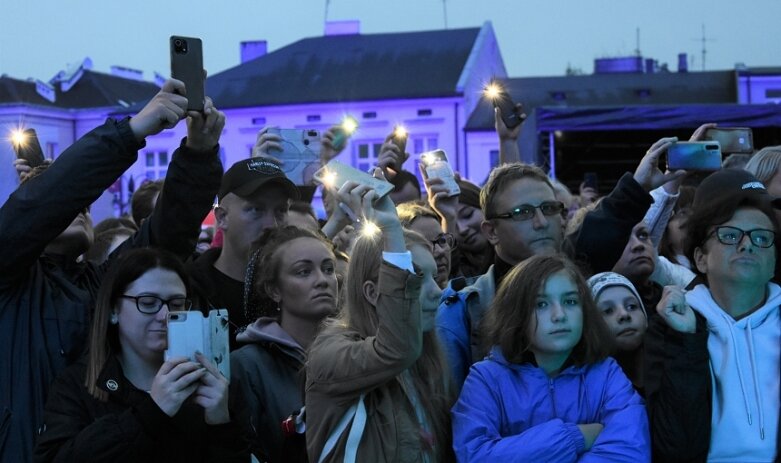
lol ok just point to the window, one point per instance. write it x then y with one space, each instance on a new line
156 164
259 121
370 115
313 118
424 112
366 153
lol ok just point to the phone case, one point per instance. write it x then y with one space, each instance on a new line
30 150
732 139
190 332
338 174
510 116
702 155
187 66
300 154
436 165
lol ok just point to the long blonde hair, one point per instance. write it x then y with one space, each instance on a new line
429 373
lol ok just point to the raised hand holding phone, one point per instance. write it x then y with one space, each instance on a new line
204 129
163 111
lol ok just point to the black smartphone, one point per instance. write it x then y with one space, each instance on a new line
511 117
27 147
732 139
187 66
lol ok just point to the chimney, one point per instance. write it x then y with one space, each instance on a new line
45 90
683 62
253 49
349 27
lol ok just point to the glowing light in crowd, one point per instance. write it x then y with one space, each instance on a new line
492 90
370 229
400 131
18 137
349 124
329 179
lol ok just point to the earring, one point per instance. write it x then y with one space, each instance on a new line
114 319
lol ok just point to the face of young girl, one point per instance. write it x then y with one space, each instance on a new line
306 285
558 318
624 316
429 291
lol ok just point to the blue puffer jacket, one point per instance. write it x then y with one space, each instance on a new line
514 412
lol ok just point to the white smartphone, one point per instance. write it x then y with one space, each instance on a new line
190 332
335 175
436 165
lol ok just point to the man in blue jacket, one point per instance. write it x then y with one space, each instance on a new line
523 219
45 294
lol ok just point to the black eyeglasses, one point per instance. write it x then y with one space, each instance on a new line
444 240
527 211
150 305
731 236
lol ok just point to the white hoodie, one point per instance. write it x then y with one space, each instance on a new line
745 372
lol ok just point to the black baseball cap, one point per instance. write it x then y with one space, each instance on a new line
732 186
246 176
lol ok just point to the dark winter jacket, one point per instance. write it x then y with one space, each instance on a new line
129 427
267 384
44 300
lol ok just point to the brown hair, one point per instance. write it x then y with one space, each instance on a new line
501 176
429 373
410 211
512 312
265 265
141 203
104 337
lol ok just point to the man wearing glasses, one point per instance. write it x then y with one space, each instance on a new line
524 219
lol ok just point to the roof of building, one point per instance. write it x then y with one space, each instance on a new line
91 90
603 90
354 67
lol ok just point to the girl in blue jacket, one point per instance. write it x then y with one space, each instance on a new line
547 391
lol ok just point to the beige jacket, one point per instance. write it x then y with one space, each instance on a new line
342 366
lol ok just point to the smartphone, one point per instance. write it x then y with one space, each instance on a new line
300 153
187 66
694 155
511 117
590 180
343 132
436 165
335 175
399 139
29 148
190 332
732 139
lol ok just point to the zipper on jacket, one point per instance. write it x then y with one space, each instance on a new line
552 396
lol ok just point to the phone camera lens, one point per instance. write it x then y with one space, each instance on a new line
180 46
306 142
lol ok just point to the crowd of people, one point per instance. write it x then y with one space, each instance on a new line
514 321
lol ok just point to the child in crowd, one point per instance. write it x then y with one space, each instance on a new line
622 310
548 391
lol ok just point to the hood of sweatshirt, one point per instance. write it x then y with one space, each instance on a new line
745 371
268 330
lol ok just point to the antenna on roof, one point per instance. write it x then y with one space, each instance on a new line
327 4
444 11
704 41
637 47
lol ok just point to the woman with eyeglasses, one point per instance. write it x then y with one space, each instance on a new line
122 401
713 353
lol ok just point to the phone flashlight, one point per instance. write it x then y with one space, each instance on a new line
370 229
18 137
492 91
350 125
400 132
329 179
